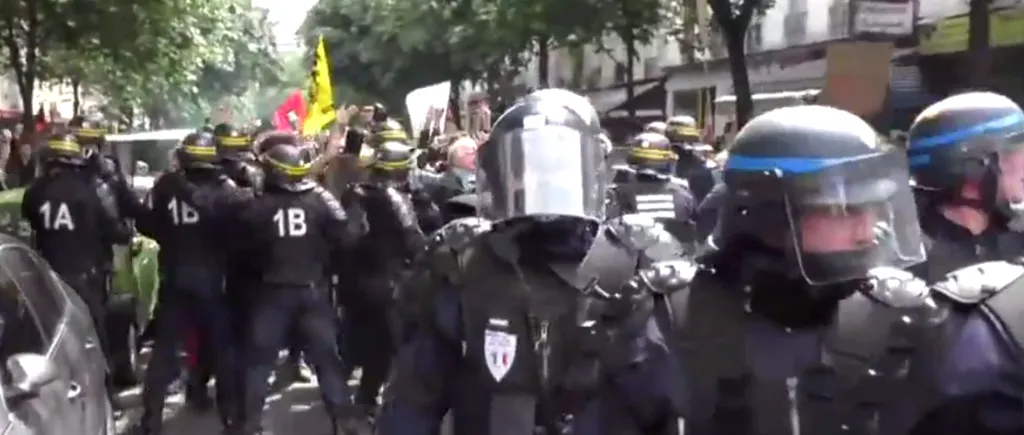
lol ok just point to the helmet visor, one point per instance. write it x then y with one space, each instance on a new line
548 170
853 217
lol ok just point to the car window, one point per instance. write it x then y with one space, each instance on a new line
19 330
32 280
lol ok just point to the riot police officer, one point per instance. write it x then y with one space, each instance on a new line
800 319
646 186
967 159
376 263
538 316
387 130
693 164
236 156
290 231
75 222
188 214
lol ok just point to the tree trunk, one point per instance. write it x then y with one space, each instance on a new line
630 65
542 61
76 95
734 42
23 63
979 53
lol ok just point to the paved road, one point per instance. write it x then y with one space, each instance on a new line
296 410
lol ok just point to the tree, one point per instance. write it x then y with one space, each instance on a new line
978 45
184 58
733 18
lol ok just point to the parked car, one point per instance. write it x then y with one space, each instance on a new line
52 379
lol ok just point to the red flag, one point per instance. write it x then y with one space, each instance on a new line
293 104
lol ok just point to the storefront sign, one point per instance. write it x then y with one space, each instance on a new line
950 34
884 18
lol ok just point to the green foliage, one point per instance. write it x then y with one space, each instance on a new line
387 48
156 56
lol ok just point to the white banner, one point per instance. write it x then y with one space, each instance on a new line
420 102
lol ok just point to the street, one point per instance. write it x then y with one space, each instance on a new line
296 410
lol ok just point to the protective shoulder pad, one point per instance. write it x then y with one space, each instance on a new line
898 288
676 181
974 284
666 277
333 206
641 232
458 233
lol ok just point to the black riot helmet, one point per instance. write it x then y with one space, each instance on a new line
232 143
388 130
816 187
682 129
651 153
197 151
391 163
656 127
380 113
63 149
90 131
285 164
543 158
973 140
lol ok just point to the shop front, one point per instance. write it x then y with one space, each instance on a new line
945 66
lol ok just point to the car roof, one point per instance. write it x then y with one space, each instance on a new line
159 135
7 239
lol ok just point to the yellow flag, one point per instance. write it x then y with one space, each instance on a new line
319 95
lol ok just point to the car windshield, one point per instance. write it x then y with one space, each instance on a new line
152 148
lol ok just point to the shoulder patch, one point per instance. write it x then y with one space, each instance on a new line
974 284
643 233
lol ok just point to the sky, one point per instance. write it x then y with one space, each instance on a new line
287 15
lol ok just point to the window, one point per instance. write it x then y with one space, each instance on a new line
794 27
754 37
621 75
19 331
46 299
839 19
651 67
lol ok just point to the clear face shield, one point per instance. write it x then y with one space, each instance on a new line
1010 180
549 170
853 217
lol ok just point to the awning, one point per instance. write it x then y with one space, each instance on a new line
648 102
605 100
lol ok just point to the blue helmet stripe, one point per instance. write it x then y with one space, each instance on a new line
957 136
791 165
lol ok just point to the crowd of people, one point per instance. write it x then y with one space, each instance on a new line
818 281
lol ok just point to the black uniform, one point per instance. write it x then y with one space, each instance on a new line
969 141
646 186
438 264
291 230
819 331
376 265
75 221
189 220
665 199
531 320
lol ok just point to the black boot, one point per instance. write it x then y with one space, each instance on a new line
197 397
150 424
